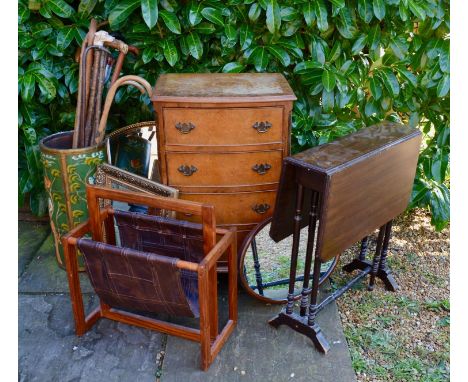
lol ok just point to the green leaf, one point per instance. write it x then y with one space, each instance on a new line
289 14
45 10
308 12
204 28
321 13
444 61
403 11
365 10
195 45
122 12
328 80
231 32
444 86
65 37
46 86
23 13
169 5
28 84
41 30
61 8
439 203
374 37
148 54
149 11
170 52
245 36
390 81
345 24
305 66
195 16
213 15
439 165
335 52
379 9
30 135
408 76
399 46
443 136
53 50
86 7
259 58
313 78
359 44
280 54
24 185
375 88
417 10
233 67
273 16
371 108
171 21
328 100
254 12
338 3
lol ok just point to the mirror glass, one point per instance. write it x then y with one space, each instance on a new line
134 149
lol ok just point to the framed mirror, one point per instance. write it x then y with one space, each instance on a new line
134 149
264 265
113 177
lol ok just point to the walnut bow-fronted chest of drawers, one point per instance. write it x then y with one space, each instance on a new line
221 140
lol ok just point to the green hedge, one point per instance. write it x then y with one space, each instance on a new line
350 62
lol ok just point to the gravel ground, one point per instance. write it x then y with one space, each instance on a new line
402 336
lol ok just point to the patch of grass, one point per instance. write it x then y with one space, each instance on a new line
358 362
438 305
410 369
444 321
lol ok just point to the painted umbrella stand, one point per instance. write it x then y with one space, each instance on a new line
347 189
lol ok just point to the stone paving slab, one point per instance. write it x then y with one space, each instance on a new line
110 351
30 237
43 275
264 353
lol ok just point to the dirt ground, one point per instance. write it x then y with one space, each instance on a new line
403 336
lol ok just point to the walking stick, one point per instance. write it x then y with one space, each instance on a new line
140 83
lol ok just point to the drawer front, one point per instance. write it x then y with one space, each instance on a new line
223 126
227 169
236 208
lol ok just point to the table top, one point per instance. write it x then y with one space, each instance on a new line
331 156
364 181
222 87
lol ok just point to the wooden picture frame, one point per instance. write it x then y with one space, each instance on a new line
108 175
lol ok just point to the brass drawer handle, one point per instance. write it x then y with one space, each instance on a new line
261 208
261 169
262 127
187 170
185 128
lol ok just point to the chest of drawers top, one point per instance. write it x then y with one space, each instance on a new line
222 88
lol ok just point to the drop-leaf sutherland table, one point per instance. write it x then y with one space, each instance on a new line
347 188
